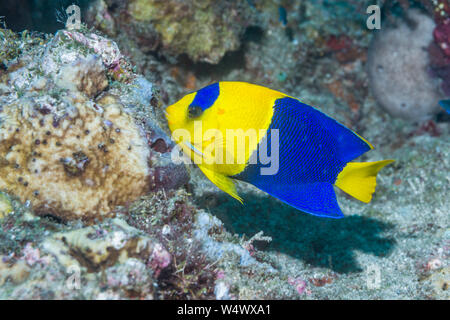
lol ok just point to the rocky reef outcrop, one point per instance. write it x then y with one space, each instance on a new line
398 66
76 142
203 30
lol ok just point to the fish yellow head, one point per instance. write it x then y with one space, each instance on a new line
220 126
189 118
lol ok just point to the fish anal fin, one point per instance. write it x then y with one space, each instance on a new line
317 198
358 179
224 183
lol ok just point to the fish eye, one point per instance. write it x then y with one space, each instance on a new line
194 111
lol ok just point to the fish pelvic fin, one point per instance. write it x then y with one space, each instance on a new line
359 179
223 182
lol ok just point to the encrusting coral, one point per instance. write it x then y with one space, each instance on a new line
102 246
84 161
204 30
398 64
5 205
163 245
68 145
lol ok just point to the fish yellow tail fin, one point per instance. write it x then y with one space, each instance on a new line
358 179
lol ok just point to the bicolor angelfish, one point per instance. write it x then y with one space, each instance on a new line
312 151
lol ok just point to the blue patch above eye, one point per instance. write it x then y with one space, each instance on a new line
205 98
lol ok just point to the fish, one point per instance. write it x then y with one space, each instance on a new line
282 15
445 104
287 148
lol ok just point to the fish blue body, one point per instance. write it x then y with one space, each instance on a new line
322 148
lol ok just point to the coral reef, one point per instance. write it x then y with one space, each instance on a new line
174 234
79 257
398 65
10 48
439 10
442 36
155 258
15 272
97 248
5 205
440 54
69 146
203 30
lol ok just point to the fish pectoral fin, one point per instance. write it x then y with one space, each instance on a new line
224 183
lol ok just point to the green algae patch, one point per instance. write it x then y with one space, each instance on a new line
5 205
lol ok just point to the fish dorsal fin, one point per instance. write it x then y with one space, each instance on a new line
224 183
